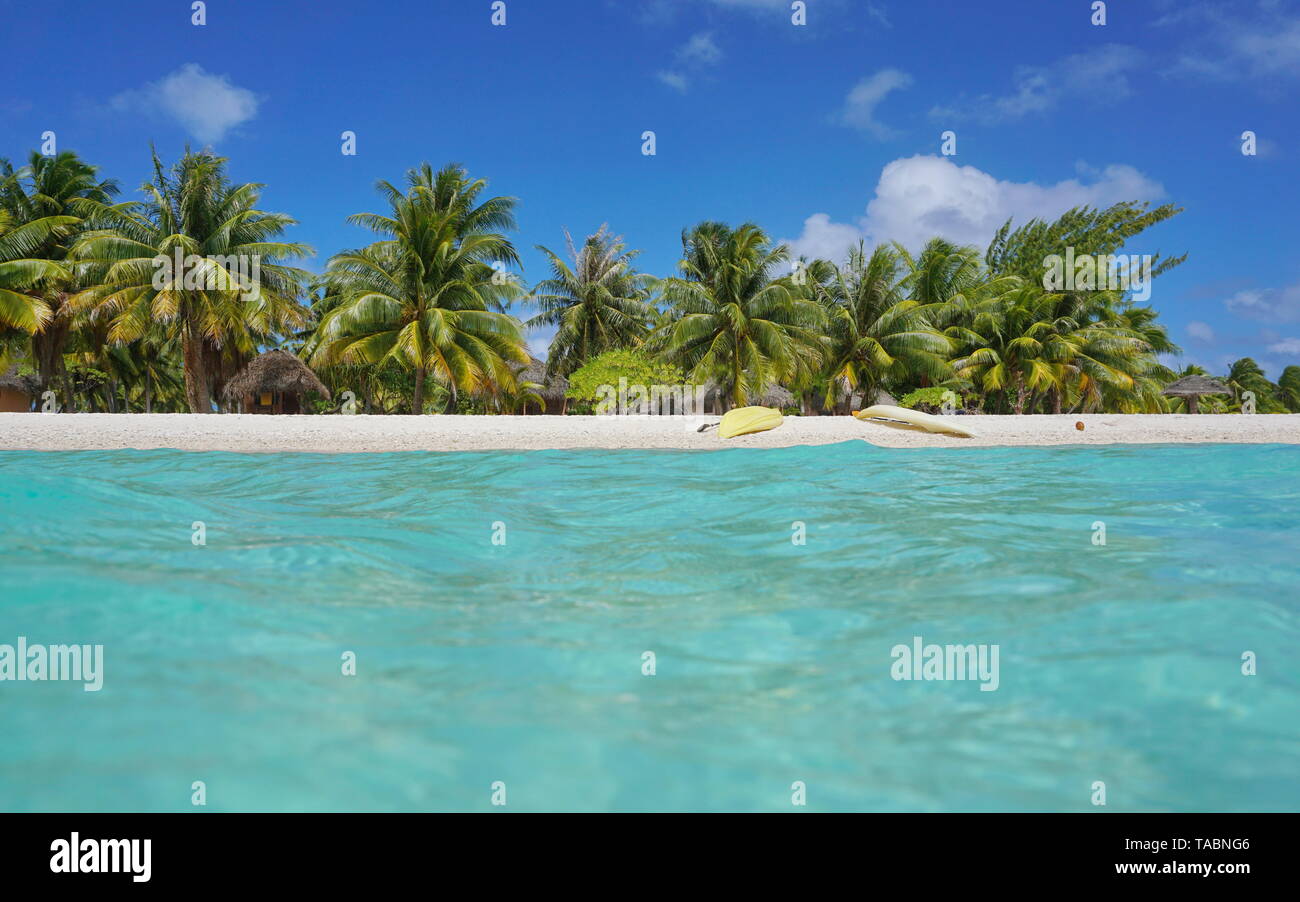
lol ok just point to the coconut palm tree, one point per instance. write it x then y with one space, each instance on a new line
22 276
1110 350
518 398
875 335
1013 347
1116 341
598 303
427 295
39 199
231 292
1289 388
1246 375
735 321
948 274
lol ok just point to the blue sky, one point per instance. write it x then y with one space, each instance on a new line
823 133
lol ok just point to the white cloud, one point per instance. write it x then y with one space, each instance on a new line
860 105
824 238
920 197
1200 331
1286 346
206 105
696 55
1270 305
754 4
674 80
1100 75
815 8
699 50
1231 44
877 13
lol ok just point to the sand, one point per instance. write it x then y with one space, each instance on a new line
259 433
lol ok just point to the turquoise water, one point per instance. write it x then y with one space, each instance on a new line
522 662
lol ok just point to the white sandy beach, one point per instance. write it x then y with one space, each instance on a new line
259 433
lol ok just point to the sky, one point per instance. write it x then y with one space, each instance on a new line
824 133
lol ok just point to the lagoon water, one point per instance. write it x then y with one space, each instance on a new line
523 662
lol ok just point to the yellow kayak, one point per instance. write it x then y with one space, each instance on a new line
744 420
890 414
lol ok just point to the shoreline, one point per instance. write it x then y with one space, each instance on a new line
255 433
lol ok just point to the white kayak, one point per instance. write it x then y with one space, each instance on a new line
889 415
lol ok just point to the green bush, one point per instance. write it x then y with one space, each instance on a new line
637 367
927 397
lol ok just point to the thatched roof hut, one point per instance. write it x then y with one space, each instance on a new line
16 392
1192 387
274 382
552 390
777 396
12 380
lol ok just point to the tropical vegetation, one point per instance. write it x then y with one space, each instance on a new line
155 303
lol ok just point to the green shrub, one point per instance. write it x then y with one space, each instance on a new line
927 397
637 367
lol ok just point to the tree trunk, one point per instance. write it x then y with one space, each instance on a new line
69 402
1021 392
417 401
196 375
453 399
47 347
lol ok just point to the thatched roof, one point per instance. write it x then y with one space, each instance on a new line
777 396
275 371
11 380
552 389
1196 385
774 396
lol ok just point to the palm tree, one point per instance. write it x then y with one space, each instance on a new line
231 293
1246 375
597 304
1014 347
1289 388
1109 348
876 336
21 276
427 294
516 399
1150 376
736 322
40 199
948 274
1111 362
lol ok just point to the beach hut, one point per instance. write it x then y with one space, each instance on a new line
274 382
1192 387
16 392
814 402
777 396
552 391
